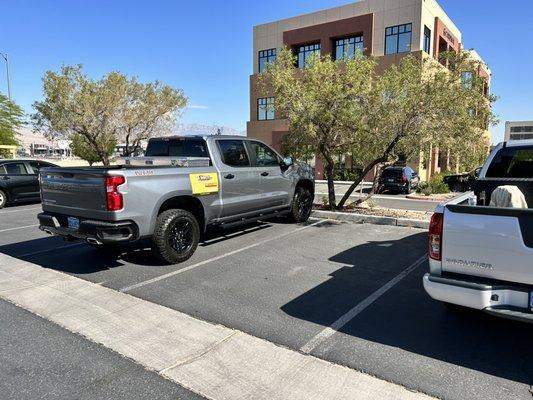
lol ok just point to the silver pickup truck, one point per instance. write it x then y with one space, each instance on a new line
481 253
180 187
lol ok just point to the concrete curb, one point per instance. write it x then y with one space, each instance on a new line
370 219
426 198
347 183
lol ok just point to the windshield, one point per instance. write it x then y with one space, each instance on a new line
512 162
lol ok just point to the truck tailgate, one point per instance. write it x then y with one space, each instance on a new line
488 242
73 191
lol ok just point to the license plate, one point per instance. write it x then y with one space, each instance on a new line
390 180
73 223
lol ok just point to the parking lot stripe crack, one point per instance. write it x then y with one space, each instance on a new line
359 308
219 257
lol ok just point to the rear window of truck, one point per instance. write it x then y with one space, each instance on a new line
177 148
512 162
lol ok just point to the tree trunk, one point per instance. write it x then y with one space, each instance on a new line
384 158
331 185
354 185
105 159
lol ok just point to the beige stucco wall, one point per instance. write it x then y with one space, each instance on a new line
386 13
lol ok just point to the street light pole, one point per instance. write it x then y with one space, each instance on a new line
6 59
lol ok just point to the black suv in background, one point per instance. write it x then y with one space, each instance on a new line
398 179
19 180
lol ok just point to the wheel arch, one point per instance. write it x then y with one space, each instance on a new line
308 184
188 203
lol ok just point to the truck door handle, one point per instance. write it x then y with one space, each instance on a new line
264 174
229 176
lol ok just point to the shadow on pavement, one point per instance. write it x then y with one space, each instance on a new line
80 258
407 318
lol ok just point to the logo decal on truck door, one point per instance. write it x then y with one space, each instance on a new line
205 183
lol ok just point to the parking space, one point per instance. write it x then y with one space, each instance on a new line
346 293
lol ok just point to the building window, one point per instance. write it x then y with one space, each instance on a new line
398 39
427 40
304 52
265 58
467 79
265 109
520 129
348 48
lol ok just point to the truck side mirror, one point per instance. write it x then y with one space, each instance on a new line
477 172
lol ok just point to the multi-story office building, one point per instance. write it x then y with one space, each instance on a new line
385 29
518 130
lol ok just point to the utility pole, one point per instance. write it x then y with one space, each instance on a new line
6 59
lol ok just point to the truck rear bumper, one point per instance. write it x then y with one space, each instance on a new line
502 300
92 231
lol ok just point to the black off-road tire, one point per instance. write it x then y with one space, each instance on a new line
166 240
3 199
301 206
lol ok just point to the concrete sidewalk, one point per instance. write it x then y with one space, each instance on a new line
211 360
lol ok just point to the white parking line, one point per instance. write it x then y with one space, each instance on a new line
186 269
338 324
17 228
17 211
48 250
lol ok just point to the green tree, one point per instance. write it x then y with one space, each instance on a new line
342 106
417 105
82 149
104 111
11 119
319 104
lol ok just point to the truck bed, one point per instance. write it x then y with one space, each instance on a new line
488 242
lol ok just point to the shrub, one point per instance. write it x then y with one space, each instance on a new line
435 185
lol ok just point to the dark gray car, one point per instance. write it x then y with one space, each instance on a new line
19 180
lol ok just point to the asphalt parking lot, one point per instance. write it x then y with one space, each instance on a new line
289 284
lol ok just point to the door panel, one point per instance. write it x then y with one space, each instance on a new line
276 187
240 186
19 183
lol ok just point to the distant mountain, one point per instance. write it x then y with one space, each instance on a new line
201 129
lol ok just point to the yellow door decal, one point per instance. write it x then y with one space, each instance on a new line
204 183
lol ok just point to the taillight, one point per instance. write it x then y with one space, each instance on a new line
435 236
114 198
404 179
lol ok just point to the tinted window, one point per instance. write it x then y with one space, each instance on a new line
233 153
35 166
266 57
265 109
177 148
398 39
305 52
15 169
2 170
264 155
348 48
512 163
393 173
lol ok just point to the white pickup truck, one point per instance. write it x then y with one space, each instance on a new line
480 256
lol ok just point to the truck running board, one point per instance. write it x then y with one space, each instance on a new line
245 220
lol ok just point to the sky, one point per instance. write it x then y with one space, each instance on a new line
205 47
